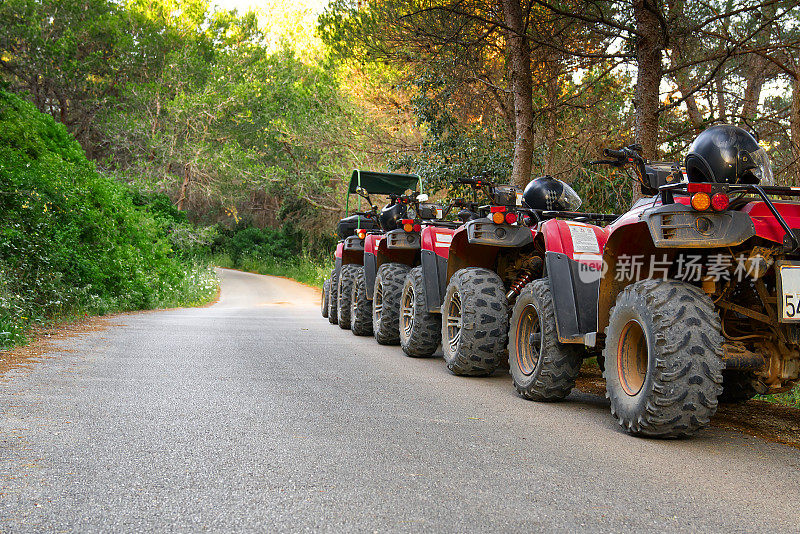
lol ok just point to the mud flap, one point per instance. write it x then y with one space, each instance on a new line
370 270
574 287
434 272
337 266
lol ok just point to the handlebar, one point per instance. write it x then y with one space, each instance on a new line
611 153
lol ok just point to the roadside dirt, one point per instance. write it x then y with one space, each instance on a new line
763 419
43 341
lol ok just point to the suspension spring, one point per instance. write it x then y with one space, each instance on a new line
519 283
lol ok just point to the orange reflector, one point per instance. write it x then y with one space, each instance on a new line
362 234
498 217
701 201
408 227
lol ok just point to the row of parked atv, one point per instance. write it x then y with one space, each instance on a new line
690 298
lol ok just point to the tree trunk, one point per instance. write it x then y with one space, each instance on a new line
794 120
187 177
649 46
551 134
721 103
756 67
519 58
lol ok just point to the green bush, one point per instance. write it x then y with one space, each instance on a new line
285 251
73 241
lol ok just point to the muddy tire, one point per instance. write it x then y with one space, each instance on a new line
420 330
360 306
345 294
663 359
474 322
738 387
386 302
326 291
333 298
542 368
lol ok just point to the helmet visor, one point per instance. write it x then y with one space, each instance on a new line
569 199
763 170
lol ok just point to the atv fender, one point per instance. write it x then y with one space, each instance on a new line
573 285
573 264
435 244
477 243
383 253
627 240
353 251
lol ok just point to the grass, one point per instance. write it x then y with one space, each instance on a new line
789 398
305 269
198 285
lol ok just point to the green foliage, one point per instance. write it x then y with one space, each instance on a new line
790 398
73 241
286 251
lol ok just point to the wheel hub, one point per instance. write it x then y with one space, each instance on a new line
454 322
407 312
632 358
377 303
528 340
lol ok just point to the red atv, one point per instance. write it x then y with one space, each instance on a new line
697 297
489 260
352 230
387 258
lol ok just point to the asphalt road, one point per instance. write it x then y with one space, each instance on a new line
256 414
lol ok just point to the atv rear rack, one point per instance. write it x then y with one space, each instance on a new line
667 191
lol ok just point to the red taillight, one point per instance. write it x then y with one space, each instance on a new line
701 201
720 201
417 227
511 217
698 188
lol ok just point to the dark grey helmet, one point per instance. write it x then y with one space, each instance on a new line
391 215
727 154
547 193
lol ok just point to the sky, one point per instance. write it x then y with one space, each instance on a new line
243 5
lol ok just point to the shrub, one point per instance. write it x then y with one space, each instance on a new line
74 241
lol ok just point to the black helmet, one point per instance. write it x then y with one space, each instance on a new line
547 193
727 154
390 216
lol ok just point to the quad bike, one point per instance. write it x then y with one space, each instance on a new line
676 342
492 257
387 258
352 231
420 325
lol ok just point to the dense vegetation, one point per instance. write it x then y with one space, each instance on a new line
73 241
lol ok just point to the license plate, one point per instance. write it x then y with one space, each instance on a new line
789 292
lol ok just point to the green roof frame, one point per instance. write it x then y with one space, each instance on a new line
380 183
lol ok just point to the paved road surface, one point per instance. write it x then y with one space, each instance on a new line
256 413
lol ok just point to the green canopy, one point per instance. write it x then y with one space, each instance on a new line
382 183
